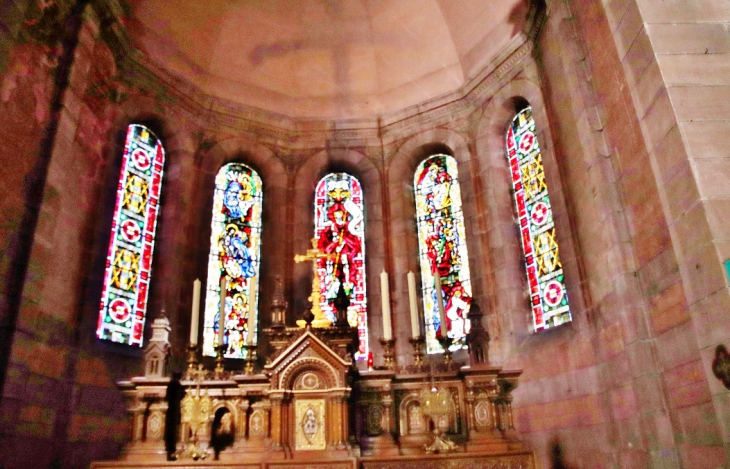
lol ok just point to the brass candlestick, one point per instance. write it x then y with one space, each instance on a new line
388 352
192 359
251 356
196 408
418 343
220 364
446 342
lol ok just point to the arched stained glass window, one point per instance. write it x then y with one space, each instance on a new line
235 244
442 249
548 295
339 229
129 258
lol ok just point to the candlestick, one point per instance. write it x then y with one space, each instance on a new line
440 302
194 317
192 358
222 311
387 331
413 302
220 364
418 343
388 352
445 343
251 310
250 359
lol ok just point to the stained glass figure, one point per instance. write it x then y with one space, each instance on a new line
548 295
442 248
129 258
339 229
235 244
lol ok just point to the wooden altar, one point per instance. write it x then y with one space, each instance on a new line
309 406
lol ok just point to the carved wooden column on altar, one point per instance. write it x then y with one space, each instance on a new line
377 412
507 383
339 421
277 419
241 409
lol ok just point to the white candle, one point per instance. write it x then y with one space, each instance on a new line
413 302
440 302
251 310
195 316
387 332
222 315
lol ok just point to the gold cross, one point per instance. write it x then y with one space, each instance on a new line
313 255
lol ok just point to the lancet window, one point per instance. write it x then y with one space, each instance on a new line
234 260
545 277
339 230
442 250
129 257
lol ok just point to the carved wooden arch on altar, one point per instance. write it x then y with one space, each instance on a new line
325 374
412 421
236 417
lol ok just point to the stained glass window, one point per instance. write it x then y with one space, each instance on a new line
235 244
339 229
548 295
129 258
442 249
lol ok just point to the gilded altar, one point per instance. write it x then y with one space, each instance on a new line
309 406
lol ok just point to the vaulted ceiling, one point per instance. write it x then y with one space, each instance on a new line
325 58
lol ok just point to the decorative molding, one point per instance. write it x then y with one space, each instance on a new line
473 461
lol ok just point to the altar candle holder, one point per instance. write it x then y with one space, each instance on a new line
250 359
220 365
192 358
388 352
418 343
446 342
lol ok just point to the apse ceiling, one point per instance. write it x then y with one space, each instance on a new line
325 58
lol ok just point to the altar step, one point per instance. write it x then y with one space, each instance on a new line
506 460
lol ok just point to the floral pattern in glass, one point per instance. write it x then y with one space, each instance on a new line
235 244
548 296
129 257
339 229
442 248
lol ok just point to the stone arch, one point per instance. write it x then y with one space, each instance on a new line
106 136
402 164
512 317
270 168
356 162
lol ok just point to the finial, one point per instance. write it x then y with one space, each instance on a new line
308 317
278 304
341 304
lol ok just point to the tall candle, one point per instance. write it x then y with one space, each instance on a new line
222 315
387 331
251 310
440 302
413 302
195 316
